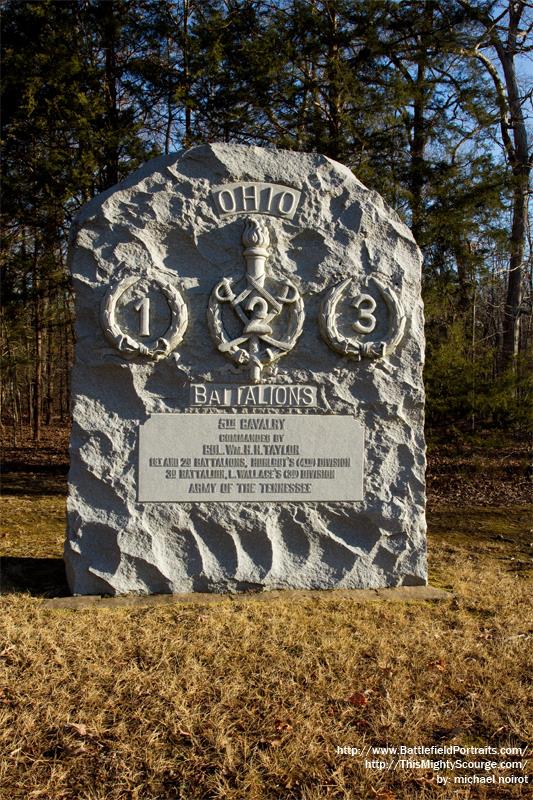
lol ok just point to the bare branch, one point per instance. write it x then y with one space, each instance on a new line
501 96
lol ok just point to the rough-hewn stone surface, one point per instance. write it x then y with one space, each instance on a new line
163 222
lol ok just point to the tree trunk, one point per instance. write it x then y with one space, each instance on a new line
111 26
334 101
420 128
186 75
521 172
465 273
513 300
49 379
38 370
418 143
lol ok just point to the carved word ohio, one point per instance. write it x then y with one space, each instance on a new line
263 198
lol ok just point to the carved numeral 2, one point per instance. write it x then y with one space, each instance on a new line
366 320
144 318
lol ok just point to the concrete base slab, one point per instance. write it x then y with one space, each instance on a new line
399 594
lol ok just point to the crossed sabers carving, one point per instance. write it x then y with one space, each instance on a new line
264 307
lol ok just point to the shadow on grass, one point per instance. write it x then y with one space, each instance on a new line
18 481
39 577
474 525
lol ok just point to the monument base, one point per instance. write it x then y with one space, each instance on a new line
396 594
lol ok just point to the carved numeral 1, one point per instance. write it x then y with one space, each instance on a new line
144 319
366 321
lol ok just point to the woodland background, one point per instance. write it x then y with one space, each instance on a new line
428 101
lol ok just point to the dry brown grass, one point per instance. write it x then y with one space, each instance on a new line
240 699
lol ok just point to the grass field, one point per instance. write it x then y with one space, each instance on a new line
241 699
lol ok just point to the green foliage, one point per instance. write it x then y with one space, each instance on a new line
464 390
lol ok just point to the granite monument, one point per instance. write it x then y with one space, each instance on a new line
247 389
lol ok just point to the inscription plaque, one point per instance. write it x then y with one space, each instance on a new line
250 458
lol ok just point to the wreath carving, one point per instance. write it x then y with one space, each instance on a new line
353 346
125 343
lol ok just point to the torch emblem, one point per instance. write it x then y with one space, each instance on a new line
266 322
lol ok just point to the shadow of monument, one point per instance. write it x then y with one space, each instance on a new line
39 577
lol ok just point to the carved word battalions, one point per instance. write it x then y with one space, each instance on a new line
254 396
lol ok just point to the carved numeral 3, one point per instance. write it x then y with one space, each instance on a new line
366 321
